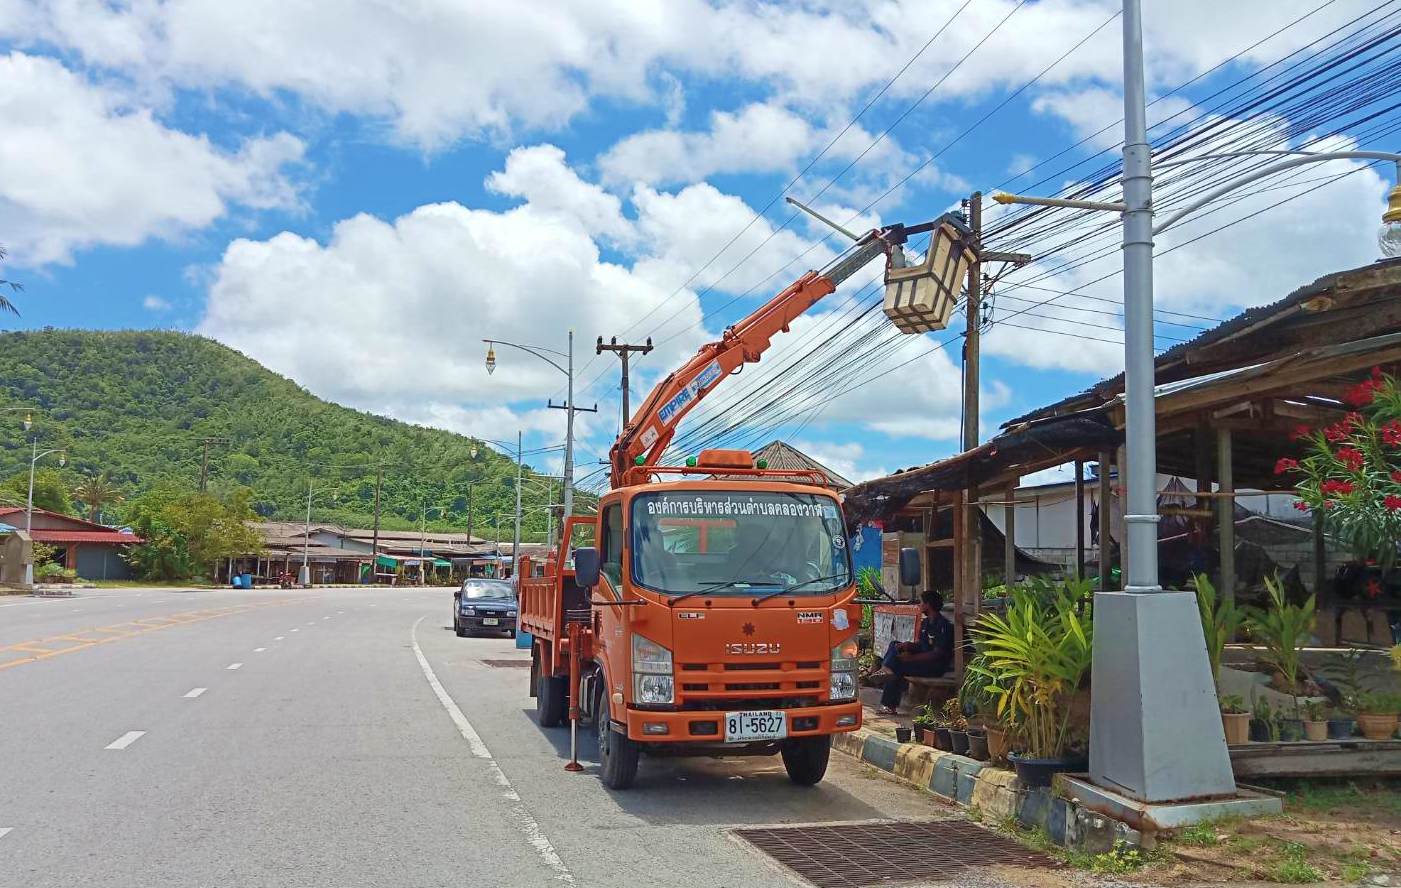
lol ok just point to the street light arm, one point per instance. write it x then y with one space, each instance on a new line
1269 170
534 350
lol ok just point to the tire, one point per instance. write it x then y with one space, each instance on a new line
617 753
456 627
806 758
551 699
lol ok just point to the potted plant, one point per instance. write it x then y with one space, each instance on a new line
1377 715
1344 670
923 724
1264 727
1221 620
977 707
902 734
1282 629
1036 656
1315 722
1291 727
1235 719
958 727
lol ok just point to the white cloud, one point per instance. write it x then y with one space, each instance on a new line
155 303
84 167
848 459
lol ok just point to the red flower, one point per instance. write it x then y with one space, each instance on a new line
1374 589
1396 476
1361 395
1392 502
1300 431
1286 465
1353 419
1350 457
1337 432
1301 505
1377 374
1334 486
1391 433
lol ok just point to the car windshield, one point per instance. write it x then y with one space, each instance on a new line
735 543
488 589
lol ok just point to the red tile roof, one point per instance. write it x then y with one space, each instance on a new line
116 537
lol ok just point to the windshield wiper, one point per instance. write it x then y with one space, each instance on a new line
778 592
671 602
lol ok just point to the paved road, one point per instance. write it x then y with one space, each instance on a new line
342 737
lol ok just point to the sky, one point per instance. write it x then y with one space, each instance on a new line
357 193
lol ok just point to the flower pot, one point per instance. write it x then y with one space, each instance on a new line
997 743
1260 731
1375 726
960 741
1315 731
978 745
942 740
1291 730
1034 772
1237 726
902 735
926 736
1341 728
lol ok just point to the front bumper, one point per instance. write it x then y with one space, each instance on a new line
474 622
706 726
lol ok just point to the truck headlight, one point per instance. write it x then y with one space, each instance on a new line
653 689
843 686
845 654
650 657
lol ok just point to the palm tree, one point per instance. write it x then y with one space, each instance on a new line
95 492
15 287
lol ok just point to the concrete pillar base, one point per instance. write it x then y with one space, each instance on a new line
1155 725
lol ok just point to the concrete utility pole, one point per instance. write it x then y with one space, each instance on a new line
469 512
374 544
206 443
623 351
969 596
516 542
422 542
304 576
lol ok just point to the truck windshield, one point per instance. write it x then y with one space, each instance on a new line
736 543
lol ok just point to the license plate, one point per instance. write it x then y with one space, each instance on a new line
758 725
489 621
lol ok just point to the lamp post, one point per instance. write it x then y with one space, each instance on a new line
568 406
304 574
520 463
37 455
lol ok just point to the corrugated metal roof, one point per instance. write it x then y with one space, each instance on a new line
109 537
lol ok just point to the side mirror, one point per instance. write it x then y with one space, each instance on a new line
586 566
909 567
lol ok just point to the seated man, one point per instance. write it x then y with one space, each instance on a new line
928 656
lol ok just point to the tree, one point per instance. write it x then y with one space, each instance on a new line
50 491
96 491
12 286
185 533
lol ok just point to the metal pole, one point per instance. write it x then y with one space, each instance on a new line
469 513
569 436
374 544
1079 519
1141 517
422 542
516 544
1226 515
550 512
29 515
305 578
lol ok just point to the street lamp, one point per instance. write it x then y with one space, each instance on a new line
568 406
1389 238
29 503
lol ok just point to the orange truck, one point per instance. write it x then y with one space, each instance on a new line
707 608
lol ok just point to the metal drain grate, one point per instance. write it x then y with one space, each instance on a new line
506 664
884 853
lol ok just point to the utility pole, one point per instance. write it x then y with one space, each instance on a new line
969 597
569 409
374 545
624 351
304 577
206 443
550 512
422 542
469 512
516 544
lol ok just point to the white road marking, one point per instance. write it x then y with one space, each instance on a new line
5 830
295 630
195 692
525 821
279 638
234 666
126 740
325 618
258 650
311 622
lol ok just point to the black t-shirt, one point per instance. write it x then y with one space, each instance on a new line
936 634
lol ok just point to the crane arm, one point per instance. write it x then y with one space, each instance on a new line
654 424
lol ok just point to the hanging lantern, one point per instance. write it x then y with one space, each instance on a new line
920 298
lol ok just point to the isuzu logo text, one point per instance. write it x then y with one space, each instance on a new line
753 647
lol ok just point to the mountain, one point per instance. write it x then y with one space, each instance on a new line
137 405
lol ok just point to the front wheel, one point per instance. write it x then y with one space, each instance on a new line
806 758
617 753
457 627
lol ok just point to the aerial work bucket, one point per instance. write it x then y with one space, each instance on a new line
920 298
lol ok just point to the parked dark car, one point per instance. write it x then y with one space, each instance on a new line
484 606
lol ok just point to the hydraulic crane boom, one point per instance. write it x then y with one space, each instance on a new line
650 431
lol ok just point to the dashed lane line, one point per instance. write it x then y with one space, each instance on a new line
126 740
5 831
279 638
525 821
234 666
258 650
195 692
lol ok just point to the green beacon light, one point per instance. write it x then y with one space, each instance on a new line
639 460
762 463
690 462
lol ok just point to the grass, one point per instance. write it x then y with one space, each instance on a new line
1293 868
1315 797
1200 835
1119 860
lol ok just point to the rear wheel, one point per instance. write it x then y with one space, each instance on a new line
551 696
806 758
617 753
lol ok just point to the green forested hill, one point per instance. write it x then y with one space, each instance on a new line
136 405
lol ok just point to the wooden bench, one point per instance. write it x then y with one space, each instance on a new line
932 690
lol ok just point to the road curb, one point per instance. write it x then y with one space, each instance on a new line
995 793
